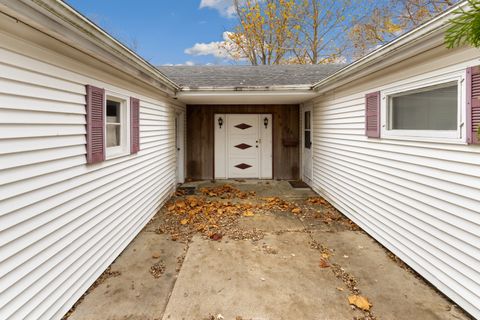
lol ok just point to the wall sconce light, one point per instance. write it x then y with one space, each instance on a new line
220 122
265 122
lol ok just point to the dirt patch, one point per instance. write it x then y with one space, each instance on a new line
242 234
317 208
268 249
157 269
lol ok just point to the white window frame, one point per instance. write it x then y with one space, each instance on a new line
447 136
124 147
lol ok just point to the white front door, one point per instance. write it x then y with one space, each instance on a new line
243 152
243 146
307 143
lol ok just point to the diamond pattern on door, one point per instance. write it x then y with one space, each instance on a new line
243 146
243 126
243 166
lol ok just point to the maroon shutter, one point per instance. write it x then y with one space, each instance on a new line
372 115
473 105
134 125
95 124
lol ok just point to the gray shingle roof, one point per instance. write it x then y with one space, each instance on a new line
248 76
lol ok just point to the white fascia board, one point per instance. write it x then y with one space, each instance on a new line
427 36
62 22
249 89
225 96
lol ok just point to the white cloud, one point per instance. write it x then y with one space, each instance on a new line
187 63
225 7
214 48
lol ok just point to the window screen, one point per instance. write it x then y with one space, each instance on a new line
431 108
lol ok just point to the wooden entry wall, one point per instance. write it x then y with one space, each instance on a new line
200 138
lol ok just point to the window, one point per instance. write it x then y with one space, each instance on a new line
116 126
427 112
307 130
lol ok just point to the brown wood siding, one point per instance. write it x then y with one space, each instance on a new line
200 138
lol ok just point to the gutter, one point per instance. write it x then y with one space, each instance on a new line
272 88
432 31
60 21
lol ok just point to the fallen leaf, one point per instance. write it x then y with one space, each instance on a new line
324 263
184 221
360 302
340 289
325 255
296 210
180 204
216 236
248 214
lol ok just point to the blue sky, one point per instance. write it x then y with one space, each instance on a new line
164 29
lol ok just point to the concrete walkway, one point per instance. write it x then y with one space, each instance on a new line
301 265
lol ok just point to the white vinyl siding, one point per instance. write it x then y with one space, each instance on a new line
62 222
419 199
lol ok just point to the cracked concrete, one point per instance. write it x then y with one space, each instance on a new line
135 294
278 277
240 279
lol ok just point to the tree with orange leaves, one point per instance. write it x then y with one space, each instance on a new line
321 31
391 19
265 31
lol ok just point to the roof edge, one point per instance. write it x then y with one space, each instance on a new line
45 15
431 29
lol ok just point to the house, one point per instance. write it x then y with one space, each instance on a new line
265 98
94 140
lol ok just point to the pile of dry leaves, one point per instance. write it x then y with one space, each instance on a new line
226 191
214 214
195 214
277 204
